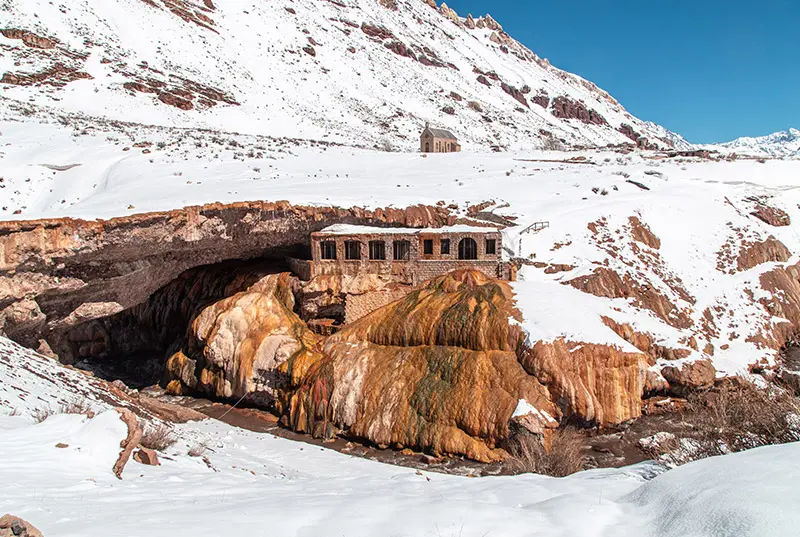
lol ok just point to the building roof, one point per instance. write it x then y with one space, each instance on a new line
350 229
440 133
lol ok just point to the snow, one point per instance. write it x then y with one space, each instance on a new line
351 229
783 144
524 408
748 493
261 484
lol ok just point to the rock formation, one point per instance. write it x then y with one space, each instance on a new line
245 347
437 370
595 384
57 274
13 526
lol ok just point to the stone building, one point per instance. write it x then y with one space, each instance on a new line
438 141
355 270
409 256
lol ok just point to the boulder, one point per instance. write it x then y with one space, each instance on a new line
13 526
146 456
689 376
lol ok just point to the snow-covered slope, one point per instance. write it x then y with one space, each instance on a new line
263 485
784 144
366 72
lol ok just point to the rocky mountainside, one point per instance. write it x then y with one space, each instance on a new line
783 144
365 72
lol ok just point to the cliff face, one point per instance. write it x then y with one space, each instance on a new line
56 274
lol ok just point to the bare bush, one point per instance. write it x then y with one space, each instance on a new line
158 437
739 415
386 145
77 407
552 144
41 414
530 455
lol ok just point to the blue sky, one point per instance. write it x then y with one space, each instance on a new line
710 70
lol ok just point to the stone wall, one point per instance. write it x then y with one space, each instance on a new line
302 268
357 306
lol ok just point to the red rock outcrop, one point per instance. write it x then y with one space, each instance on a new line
771 215
566 108
56 75
767 251
739 254
515 93
29 38
641 232
640 141
607 283
784 285
541 99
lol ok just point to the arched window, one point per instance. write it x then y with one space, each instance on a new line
467 249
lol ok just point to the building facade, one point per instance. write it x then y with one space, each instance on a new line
405 255
438 141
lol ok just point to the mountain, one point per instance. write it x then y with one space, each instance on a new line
359 72
783 144
671 138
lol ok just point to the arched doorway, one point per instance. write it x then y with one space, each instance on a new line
467 249
427 147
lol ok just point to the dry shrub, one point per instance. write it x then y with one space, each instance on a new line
157 437
565 456
41 414
739 415
475 105
77 407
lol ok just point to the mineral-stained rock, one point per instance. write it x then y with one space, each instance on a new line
245 346
689 376
437 371
593 383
